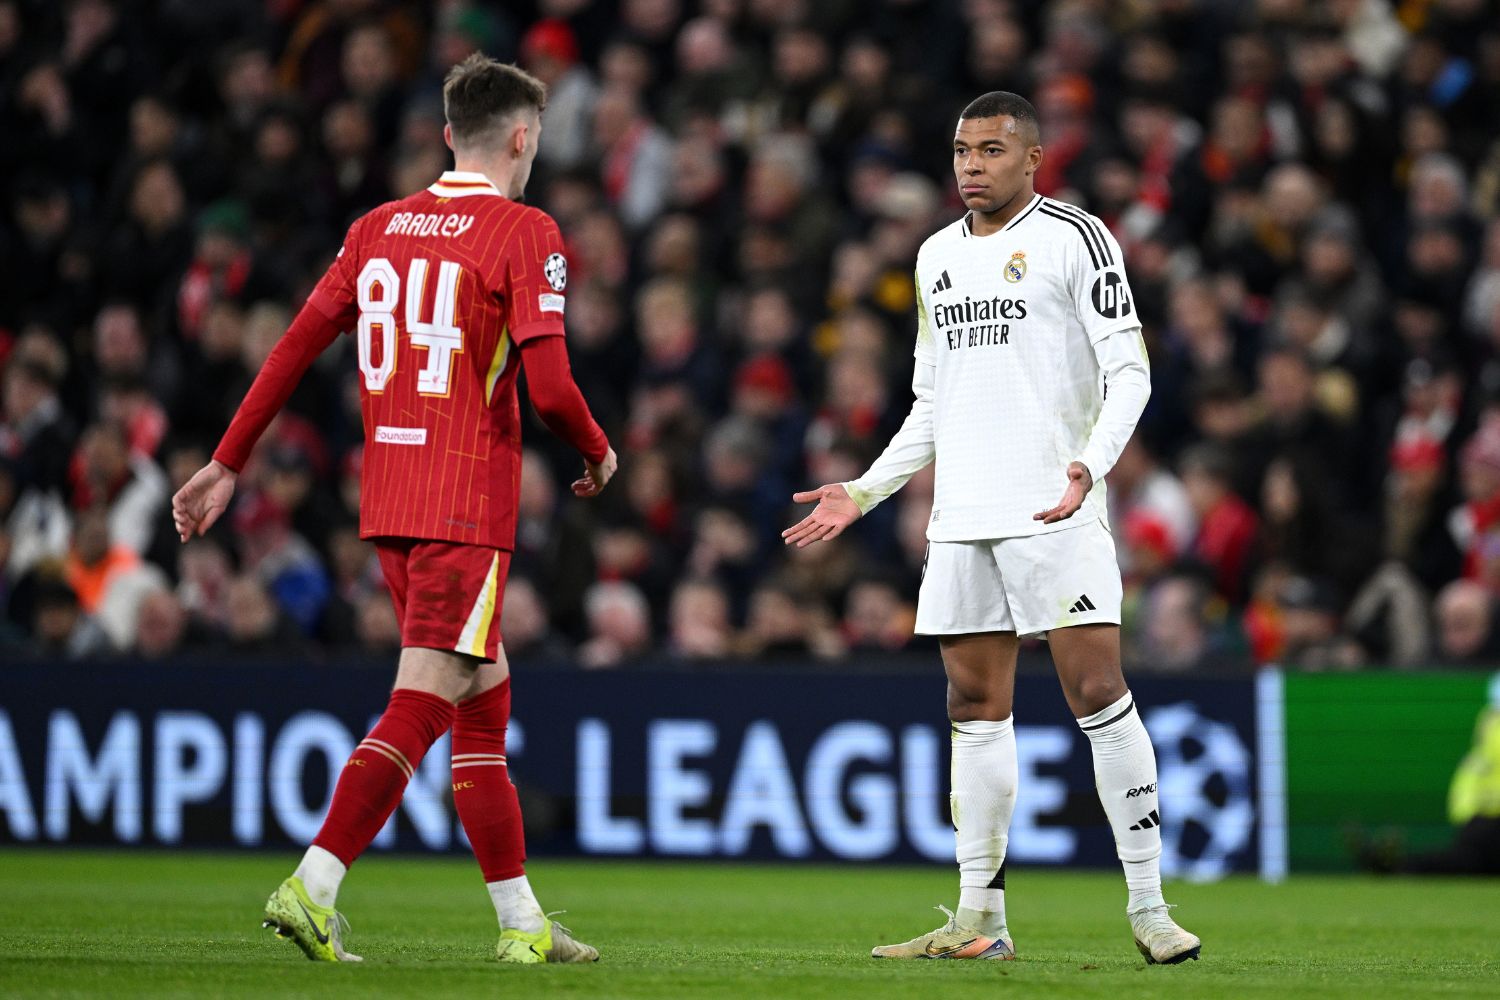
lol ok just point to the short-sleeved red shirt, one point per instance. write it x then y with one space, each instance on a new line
440 289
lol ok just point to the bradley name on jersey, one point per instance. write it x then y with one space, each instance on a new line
428 224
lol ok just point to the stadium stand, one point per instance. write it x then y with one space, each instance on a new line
1306 194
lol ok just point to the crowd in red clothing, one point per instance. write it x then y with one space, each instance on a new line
1306 193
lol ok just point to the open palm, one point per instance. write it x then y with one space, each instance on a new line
1080 481
835 512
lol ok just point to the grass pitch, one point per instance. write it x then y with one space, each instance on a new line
135 924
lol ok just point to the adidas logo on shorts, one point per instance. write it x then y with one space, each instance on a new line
1083 604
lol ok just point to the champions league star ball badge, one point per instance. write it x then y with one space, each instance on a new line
556 270
1015 268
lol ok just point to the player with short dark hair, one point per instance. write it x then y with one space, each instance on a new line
480 96
449 293
1030 375
1004 104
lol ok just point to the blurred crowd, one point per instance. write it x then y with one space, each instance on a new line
1306 193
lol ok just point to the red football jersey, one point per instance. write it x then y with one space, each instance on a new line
440 289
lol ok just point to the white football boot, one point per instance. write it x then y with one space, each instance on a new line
1160 939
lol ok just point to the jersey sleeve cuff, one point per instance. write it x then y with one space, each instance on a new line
230 459
1096 462
863 498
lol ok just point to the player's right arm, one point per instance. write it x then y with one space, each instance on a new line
330 309
911 449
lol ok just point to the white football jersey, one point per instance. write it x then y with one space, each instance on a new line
1009 322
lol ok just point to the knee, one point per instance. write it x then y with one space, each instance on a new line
1096 690
973 704
980 671
961 707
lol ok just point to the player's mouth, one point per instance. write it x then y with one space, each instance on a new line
972 189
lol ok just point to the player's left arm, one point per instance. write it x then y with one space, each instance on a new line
1106 308
536 278
560 404
1127 387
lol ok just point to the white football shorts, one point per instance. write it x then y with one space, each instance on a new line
1028 585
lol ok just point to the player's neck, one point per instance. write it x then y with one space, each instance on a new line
989 223
497 173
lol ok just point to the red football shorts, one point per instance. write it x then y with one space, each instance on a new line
447 595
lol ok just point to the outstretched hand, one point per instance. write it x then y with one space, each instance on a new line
1080 481
835 511
199 503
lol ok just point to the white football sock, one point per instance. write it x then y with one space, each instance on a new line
515 905
321 874
984 797
1125 775
1143 880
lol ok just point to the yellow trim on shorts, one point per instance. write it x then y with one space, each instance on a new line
472 639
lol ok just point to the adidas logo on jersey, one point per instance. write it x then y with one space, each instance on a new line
943 284
1081 605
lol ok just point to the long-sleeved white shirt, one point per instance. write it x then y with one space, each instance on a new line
1028 358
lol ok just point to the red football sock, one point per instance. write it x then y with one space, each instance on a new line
482 790
377 772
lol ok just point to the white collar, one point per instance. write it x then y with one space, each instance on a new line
462 183
968 220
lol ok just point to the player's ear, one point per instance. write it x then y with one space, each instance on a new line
1034 159
448 135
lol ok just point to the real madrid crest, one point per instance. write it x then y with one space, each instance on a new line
1015 268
